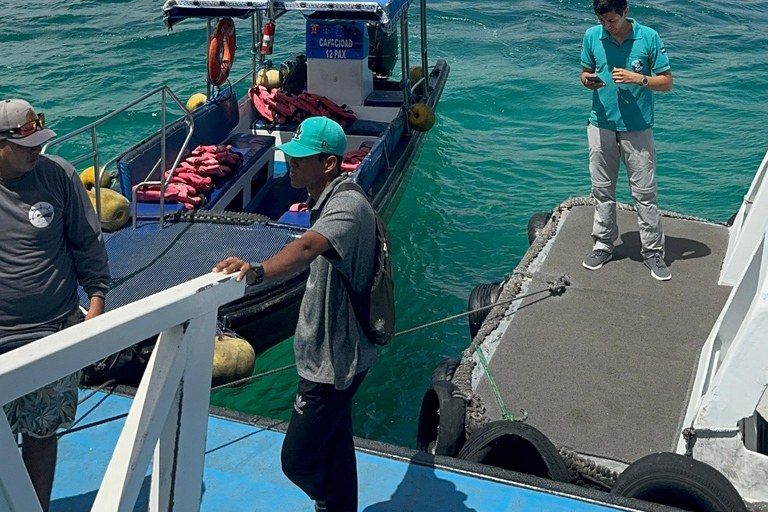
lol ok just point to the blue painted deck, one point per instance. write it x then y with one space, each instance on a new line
242 473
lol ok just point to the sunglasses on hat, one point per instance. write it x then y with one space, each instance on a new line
26 129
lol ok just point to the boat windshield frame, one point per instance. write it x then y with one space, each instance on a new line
386 12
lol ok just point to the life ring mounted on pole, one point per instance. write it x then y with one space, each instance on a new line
221 52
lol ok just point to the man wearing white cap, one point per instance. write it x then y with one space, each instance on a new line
51 242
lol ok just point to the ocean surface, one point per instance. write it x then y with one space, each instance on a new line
510 141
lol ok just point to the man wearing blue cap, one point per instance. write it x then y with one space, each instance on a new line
332 351
51 242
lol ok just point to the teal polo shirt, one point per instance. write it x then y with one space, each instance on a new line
623 107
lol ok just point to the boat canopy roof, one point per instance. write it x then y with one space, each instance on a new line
388 12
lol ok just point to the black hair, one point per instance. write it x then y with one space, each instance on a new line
339 158
602 7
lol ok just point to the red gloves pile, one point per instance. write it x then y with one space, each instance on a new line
278 106
195 175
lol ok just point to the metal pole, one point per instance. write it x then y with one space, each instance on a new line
253 48
404 64
96 172
208 45
406 46
259 25
424 61
162 160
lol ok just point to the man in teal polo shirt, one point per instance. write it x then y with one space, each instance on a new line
622 63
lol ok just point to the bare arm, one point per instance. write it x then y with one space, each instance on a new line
660 82
96 308
294 256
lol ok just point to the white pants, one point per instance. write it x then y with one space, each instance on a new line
636 150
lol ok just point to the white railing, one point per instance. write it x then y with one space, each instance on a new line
732 375
169 414
747 229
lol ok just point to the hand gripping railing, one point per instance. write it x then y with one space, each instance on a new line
169 415
94 154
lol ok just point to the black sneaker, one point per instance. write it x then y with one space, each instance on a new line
596 259
659 269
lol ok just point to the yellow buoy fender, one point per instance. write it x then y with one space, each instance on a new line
115 209
233 359
89 179
415 73
269 78
421 117
196 100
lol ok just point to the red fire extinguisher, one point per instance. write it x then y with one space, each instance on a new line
269 36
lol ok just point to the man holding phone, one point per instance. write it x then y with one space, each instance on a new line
622 63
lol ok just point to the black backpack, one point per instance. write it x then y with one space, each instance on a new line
375 311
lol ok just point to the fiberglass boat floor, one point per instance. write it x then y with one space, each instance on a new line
606 368
242 474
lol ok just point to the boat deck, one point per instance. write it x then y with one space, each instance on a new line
606 368
242 473
153 259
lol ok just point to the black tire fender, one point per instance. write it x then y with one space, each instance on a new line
481 295
678 481
518 447
441 420
536 223
445 369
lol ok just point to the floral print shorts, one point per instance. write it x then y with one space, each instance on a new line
43 411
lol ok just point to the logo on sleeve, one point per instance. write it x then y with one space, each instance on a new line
637 66
41 214
663 49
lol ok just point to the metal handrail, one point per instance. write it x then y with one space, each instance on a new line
164 180
424 60
239 80
94 154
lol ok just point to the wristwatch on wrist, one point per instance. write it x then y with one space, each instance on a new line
259 270
644 83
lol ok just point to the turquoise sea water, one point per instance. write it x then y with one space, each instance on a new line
510 141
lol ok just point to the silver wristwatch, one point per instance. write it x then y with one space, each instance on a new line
644 83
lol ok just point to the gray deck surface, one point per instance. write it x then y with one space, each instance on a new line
606 368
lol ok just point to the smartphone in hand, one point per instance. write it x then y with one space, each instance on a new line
594 79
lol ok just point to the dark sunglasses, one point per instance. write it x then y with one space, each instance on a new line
26 129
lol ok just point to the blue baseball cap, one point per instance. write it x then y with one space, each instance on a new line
314 136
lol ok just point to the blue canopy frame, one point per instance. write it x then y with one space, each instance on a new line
388 12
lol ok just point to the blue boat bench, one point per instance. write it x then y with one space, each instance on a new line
241 190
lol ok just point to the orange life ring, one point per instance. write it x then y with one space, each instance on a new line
221 51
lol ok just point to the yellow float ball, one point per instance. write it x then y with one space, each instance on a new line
233 359
415 73
269 78
89 180
115 209
421 117
196 100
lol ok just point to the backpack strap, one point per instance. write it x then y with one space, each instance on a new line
356 301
